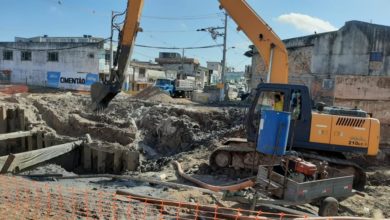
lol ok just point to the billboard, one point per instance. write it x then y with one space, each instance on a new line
74 81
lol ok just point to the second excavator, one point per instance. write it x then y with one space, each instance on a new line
321 135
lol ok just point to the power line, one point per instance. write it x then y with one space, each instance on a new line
56 49
193 17
178 48
168 31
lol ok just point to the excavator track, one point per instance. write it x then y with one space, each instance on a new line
226 156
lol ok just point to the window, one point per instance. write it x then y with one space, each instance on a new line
141 73
52 56
376 56
268 100
296 105
107 58
8 55
25 56
91 55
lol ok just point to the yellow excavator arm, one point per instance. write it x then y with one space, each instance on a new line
128 35
268 44
103 93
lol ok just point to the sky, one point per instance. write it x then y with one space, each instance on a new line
173 23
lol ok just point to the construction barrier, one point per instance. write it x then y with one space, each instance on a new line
25 199
21 198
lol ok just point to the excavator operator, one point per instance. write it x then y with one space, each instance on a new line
278 102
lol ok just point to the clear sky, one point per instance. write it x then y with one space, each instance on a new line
173 23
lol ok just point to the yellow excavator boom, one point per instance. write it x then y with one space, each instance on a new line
267 43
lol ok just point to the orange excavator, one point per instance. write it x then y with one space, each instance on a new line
319 135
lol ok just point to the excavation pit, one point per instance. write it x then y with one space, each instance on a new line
23 147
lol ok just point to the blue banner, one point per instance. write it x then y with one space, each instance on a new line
53 79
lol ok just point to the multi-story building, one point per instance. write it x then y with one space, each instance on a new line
142 74
184 67
60 62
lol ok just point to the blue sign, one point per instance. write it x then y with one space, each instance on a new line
53 79
91 78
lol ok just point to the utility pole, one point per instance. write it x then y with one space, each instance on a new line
111 49
182 64
214 34
222 92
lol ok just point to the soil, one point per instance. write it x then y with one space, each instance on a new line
164 129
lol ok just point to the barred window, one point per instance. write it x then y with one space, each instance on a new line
25 56
52 56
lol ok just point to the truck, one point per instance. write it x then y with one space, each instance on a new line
321 135
176 88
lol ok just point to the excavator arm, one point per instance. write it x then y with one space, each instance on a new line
103 93
270 47
267 43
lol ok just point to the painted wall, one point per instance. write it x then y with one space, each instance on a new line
81 59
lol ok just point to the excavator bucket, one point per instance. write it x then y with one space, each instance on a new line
102 94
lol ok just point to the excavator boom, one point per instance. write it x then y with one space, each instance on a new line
103 93
267 43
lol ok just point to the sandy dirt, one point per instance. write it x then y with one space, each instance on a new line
163 129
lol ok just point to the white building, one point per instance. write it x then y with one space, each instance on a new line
59 62
139 75
215 72
67 63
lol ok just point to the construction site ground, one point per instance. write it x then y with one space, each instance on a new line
162 130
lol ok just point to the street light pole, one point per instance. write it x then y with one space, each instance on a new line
223 89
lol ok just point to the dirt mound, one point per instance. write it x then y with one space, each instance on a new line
154 94
379 178
171 130
376 200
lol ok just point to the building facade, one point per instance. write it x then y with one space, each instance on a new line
59 62
215 72
142 74
175 62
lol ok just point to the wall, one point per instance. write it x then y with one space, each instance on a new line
81 60
189 69
371 94
347 51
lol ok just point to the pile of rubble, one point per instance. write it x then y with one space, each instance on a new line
154 94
